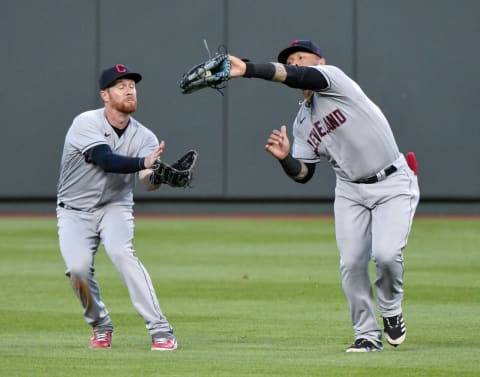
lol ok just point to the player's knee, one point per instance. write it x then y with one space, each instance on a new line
354 259
386 256
79 273
352 266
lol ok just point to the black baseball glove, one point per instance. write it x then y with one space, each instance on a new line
179 174
211 73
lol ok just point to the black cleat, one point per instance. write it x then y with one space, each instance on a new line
362 345
394 329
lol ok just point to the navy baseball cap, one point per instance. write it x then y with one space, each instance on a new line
298 45
118 71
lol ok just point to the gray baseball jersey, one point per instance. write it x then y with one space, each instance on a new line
86 186
343 126
96 206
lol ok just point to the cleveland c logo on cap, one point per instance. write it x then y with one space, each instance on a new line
121 68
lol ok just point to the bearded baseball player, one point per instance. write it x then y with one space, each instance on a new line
376 192
104 151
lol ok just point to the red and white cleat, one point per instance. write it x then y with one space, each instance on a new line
164 344
101 339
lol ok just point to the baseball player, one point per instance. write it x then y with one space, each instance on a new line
104 151
376 192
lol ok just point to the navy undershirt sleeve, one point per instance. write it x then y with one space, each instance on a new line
305 78
103 156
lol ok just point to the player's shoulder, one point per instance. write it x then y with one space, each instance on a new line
338 80
88 116
330 70
86 121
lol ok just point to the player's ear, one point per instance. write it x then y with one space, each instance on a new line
322 61
104 95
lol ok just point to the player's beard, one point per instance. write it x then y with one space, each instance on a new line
126 106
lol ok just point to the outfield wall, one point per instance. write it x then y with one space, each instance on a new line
417 59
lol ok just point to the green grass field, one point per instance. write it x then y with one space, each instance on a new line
247 297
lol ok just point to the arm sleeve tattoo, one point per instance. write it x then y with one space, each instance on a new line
299 171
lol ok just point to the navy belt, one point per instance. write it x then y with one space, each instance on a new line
379 176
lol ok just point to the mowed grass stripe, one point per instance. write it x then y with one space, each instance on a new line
247 297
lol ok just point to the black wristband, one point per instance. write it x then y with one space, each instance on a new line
264 71
141 163
291 166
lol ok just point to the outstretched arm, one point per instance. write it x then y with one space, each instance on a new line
306 78
103 156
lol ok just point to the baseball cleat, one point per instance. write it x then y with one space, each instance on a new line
362 345
101 339
164 344
394 329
